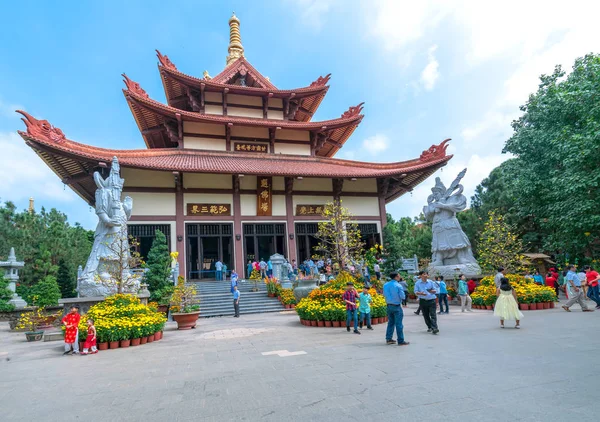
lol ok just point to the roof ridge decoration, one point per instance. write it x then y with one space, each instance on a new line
353 111
42 129
165 61
435 151
134 87
321 80
235 49
243 67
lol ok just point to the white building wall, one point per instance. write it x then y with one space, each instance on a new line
193 142
207 180
313 184
248 205
295 149
278 205
152 203
361 206
147 178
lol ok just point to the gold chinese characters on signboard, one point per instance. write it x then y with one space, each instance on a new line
309 209
208 209
263 196
250 147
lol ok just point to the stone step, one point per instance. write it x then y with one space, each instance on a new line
229 312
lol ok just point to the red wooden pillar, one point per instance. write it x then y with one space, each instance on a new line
179 223
291 227
237 227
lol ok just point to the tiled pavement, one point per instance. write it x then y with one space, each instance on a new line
222 371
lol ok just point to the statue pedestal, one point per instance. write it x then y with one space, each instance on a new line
18 301
449 272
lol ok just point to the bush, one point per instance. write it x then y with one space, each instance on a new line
44 293
5 295
158 264
527 291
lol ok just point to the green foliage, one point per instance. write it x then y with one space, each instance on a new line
557 144
5 295
67 279
406 238
162 296
44 293
42 240
158 263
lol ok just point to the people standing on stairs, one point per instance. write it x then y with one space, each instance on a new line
263 268
219 270
463 292
426 292
234 280
249 269
377 270
236 302
269 268
224 277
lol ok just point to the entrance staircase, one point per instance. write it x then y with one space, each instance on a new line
216 298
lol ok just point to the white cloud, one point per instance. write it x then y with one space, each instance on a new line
313 12
376 144
431 73
25 175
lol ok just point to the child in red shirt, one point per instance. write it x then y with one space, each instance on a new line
71 321
90 341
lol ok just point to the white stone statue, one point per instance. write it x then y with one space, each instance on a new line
450 247
110 252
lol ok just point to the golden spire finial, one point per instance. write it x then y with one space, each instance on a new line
236 50
31 206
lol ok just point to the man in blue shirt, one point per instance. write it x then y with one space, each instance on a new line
394 295
236 302
443 297
219 270
573 286
269 268
426 292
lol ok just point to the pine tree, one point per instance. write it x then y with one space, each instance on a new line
158 263
67 279
499 246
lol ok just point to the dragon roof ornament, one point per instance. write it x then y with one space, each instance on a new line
435 151
165 61
134 87
353 111
42 129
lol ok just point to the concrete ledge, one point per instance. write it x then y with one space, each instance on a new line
54 336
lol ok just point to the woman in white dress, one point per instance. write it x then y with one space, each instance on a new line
506 305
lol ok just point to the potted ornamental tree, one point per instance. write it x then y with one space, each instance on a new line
185 307
31 321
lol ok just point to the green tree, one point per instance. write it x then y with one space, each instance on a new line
44 293
499 246
557 144
5 295
158 263
405 238
67 279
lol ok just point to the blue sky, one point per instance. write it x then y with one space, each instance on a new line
426 70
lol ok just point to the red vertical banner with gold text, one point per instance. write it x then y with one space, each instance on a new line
263 196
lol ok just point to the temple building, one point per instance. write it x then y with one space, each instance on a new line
235 168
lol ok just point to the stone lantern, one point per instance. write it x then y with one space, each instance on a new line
11 268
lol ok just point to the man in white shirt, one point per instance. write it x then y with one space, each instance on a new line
377 271
263 268
219 270
499 276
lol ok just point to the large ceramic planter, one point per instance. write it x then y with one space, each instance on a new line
186 321
113 344
304 288
103 346
34 335
135 342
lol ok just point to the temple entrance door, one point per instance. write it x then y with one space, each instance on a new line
206 244
306 242
262 240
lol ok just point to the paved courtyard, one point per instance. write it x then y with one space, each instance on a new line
270 368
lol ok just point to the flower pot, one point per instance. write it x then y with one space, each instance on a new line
301 321
150 338
293 306
546 305
135 341
524 306
144 340
125 343
336 324
320 323
532 307
34 335
113 344
287 306
540 305
163 308
489 307
158 335
551 305
103 346
271 294
186 321
328 324
81 343
313 323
